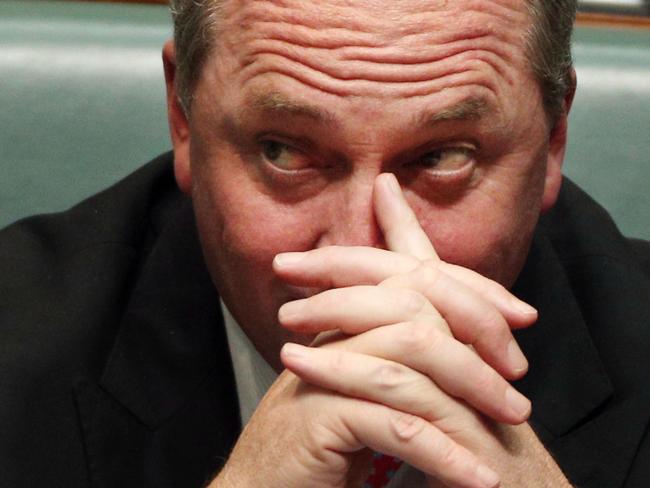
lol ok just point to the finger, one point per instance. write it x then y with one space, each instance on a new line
371 378
471 319
407 437
454 367
398 222
407 297
518 313
423 347
338 266
356 309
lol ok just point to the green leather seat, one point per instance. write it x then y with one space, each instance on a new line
82 103
82 99
609 126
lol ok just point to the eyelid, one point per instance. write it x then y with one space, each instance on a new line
464 146
298 143
469 149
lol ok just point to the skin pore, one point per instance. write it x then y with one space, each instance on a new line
303 104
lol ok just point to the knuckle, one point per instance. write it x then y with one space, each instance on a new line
406 427
420 337
412 302
486 381
451 455
494 321
429 273
493 326
338 363
495 287
389 376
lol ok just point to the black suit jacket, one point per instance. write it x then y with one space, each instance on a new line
115 371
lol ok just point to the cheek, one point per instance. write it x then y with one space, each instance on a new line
488 231
247 227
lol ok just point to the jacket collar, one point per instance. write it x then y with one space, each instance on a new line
592 431
171 335
566 380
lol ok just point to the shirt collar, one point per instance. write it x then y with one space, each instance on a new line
253 375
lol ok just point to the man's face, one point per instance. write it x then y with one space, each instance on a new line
303 104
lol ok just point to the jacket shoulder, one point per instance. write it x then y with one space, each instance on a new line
64 279
60 269
609 275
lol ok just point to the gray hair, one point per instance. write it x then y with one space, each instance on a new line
549 50
548 43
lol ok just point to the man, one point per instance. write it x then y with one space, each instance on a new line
366 178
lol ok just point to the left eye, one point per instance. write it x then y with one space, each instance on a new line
447 160
282 155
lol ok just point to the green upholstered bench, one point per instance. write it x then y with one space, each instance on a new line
82 104
609 130
82 99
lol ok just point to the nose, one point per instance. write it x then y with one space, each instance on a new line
351 218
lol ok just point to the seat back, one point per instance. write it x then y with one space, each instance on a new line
609 126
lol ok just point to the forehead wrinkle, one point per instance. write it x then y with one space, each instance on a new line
379 64
342 55
389 21
359 41
377 90
467 64
317 17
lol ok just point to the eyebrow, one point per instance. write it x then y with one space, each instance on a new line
471 108
280 105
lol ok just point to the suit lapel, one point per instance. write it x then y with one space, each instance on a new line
168 385
567 379
592 433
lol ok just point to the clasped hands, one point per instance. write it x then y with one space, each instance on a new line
412 361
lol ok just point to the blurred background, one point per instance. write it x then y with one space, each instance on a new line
629 7
82 102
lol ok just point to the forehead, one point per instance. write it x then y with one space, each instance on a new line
376 49
390 20
409 24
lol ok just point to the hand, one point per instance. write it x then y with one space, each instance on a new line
414 291
326 428
401 330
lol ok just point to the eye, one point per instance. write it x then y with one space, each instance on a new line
447 160
282 155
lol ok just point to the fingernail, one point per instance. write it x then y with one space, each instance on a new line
519 404
393 184
516 358
290 311
487 477
288 258
291 350
525 308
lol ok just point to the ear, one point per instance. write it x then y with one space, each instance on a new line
178 122
557 149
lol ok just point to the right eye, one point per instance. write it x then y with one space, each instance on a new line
283 156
